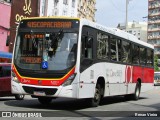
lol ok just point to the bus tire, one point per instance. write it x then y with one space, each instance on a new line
137 91
94 102
45 100
128 97
19 97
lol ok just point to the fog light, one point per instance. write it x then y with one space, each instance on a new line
14 77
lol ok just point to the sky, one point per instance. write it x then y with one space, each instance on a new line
111 12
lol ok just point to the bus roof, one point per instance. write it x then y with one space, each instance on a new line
114 31
52 17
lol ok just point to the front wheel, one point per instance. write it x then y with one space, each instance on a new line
45 100
94 102
19 97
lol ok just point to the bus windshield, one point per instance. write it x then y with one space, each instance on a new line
55 50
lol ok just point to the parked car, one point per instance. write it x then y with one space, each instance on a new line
156 78
5 81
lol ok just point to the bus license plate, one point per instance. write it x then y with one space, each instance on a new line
39 93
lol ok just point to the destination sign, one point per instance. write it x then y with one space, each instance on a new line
49 23
32 60
29 36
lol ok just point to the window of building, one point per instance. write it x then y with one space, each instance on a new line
64 12
43 7
9 1
56 3
130 31
73 3
65 2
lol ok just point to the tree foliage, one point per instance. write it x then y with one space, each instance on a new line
156 68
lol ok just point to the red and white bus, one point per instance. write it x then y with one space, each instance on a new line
76 58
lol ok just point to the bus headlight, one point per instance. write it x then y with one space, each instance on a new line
14 77
69 80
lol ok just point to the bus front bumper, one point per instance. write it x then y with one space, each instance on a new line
47 91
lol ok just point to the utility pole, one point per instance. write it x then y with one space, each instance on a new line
126 14
127 2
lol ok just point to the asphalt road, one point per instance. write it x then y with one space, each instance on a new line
67 109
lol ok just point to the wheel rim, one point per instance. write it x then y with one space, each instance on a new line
137 92
97 95
21 96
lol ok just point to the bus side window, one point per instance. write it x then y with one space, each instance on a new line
149 58
135 53
87 47
102 46
142 56
86 52
126 52
115 49
5 71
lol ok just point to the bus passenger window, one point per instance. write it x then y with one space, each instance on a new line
115 49
135 52
149 58
102 46
87 47
142 56
126 52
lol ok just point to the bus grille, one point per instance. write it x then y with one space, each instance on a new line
48 91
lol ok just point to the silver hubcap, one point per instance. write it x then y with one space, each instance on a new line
137 92
97 95
21 96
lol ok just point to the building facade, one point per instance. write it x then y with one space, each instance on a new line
154 25
21 9
4 24
138 29
73 8
86 9
58 8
